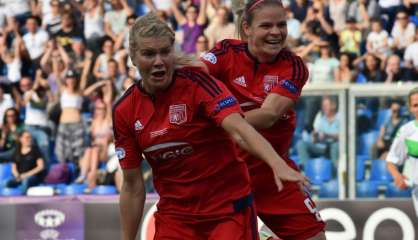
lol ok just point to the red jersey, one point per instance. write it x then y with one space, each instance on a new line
194 167
250 82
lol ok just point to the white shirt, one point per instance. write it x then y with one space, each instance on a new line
16 7
411 54
378 40
35 43
404 36
35 116
6 103
389 3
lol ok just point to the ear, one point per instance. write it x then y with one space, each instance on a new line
246 28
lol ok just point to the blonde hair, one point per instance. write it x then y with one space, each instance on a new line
151 26
411 93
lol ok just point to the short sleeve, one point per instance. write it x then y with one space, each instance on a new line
214 59
398 151
293 78
216 100
126 147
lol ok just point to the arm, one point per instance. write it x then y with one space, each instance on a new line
399 179
131 205
128 10
201 18
273 107
249 139
108 30
96 68
89 90
180 18
86 70
397 155
39 167
150 5
15 172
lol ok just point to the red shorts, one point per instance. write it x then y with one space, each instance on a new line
241 225
290 213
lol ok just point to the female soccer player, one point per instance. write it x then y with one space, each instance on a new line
267 80
176 117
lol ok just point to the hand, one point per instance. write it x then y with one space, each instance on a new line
400 181
380 144
286 173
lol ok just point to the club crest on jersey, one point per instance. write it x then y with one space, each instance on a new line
120 153
210 57
177 114
138 125
270 82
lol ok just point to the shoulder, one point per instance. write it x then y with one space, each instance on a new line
228 45
289 62
197 78
126 98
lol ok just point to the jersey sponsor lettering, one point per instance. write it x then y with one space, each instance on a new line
289 85
177 114
210 57
226 102
167 151
158 133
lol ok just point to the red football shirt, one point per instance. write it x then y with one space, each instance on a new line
194 167
250 82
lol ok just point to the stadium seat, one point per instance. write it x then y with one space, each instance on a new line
318 170
74 189
366 143
382 116
361 167
9 192
394 192
367 189
5 171
329 189
104 190
380 173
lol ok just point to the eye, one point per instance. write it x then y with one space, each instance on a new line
165 51
148 53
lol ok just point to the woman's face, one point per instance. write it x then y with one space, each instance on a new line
108 47
191 14
413 105
70 82
344 61
155 61
371 63
26 139
11 117
267 33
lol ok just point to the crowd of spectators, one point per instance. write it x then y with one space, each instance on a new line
63 63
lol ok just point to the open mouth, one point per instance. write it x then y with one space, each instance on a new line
273 42
158 74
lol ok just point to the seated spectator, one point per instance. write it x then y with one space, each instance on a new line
411 57
350 38
337 11
6 102
52 22
220 27
325 134
388 130
378 39
344 72
93 11
300 9
108 53
115 19
293 29
9 134
69 31
394 71
28 164
202 45
191 24
403 33
35 39
388 9
323 69
369 67
362 11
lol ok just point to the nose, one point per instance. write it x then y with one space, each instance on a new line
158 60
275 30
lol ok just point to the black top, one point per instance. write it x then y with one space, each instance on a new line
26 162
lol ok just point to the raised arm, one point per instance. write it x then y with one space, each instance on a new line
201 18
128 10
249 139
86 69
180 18
132 199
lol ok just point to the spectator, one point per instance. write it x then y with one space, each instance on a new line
69 31
388 130
344 72
192 24
28 164
220 27
350 38
52 22
35 39
115 20
411 57
377 40
77 54
12 58
293 29
108 53
202 45
370 71
363 11
323 69
69 144
6 102
36 118
326 129
93 11
18 9
338 10
300 9
394 71
389 8
10 131
403 33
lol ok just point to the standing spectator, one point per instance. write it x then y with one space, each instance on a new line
115 20
6 102
10 131
12 58
337 11
220 27
344 72
192 24
100 66
18 9
350 38
28 164
52 22
389 8
323 69
202 45
394 71
326 129
35 39
377 40
411 57
362 11
69 31
403 33
389 130
293 29
93 11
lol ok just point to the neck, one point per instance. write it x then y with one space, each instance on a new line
261 58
